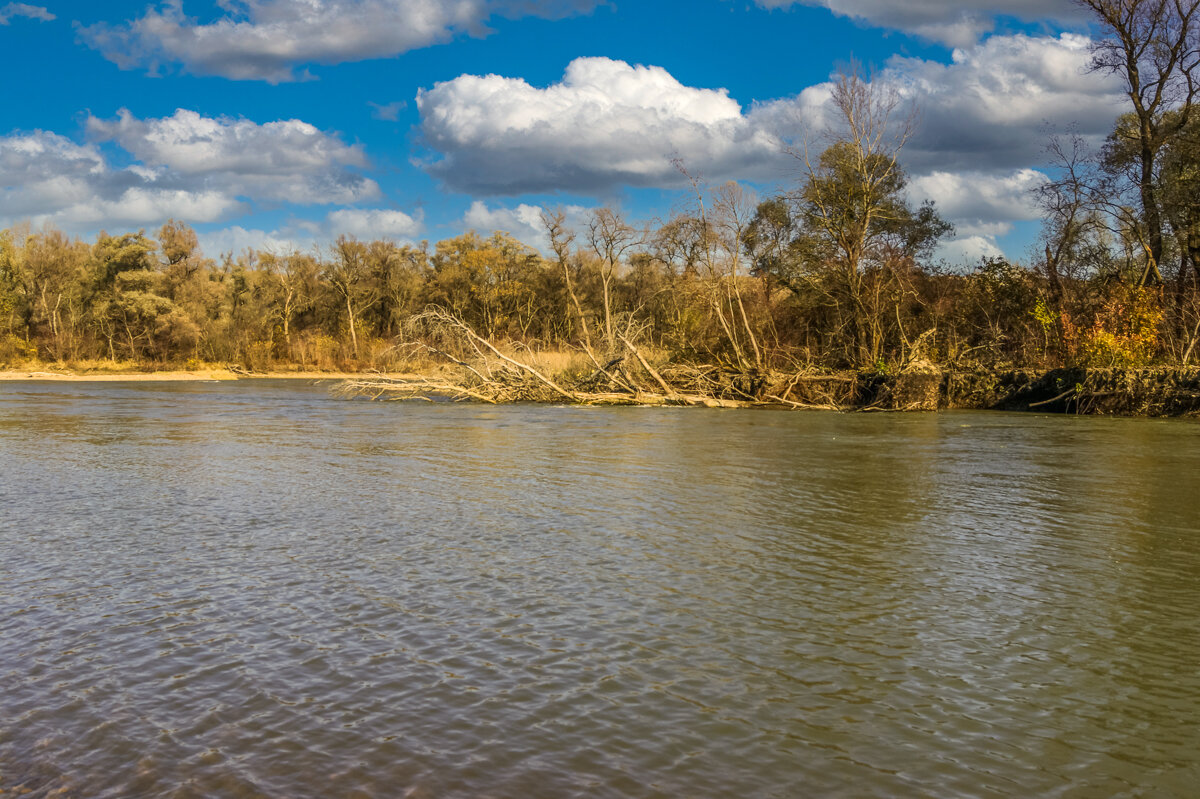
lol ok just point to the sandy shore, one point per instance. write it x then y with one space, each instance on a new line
198 375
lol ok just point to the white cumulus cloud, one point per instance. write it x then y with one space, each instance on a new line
992 105
235 240
367 224
968 250
139 206
46 177
38 157
268 39
188 166
989 107
981 203
374 223
958 24
287 160
983 120
523 222
982 125
606 124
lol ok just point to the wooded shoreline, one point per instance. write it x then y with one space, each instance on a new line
1147 392
828 294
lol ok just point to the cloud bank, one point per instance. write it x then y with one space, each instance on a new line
286 161
364 223
606 124
47 177
984 120
959 24
374 223
990 105
189 166
268 39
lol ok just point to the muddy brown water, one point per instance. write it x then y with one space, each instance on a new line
257 589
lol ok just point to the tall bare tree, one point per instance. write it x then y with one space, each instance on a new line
350 274
561 237
295 277
729 217
610 237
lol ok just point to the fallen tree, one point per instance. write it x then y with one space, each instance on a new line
471 367
479 370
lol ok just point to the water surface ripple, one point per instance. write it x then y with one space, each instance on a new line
258 590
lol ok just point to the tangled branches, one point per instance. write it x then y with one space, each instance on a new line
474 368
478 370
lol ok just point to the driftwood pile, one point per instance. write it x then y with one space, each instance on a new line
475 369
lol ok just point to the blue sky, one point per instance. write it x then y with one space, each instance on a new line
285 122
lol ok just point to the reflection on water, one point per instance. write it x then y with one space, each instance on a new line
255 589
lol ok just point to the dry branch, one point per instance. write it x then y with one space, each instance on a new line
482 372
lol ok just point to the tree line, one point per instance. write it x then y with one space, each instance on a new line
837 272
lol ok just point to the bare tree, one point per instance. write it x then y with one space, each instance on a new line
729 220
350 275
1154 47
561 238
610 237
295 277
1071 206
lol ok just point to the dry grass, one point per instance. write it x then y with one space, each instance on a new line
554 362
318 357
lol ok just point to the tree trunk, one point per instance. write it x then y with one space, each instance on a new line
606 279
1154 233
353 333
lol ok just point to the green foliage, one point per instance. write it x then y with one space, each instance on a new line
851 242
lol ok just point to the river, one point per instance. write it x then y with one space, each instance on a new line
257 589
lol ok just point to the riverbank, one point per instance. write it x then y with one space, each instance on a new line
1154 392
192 375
